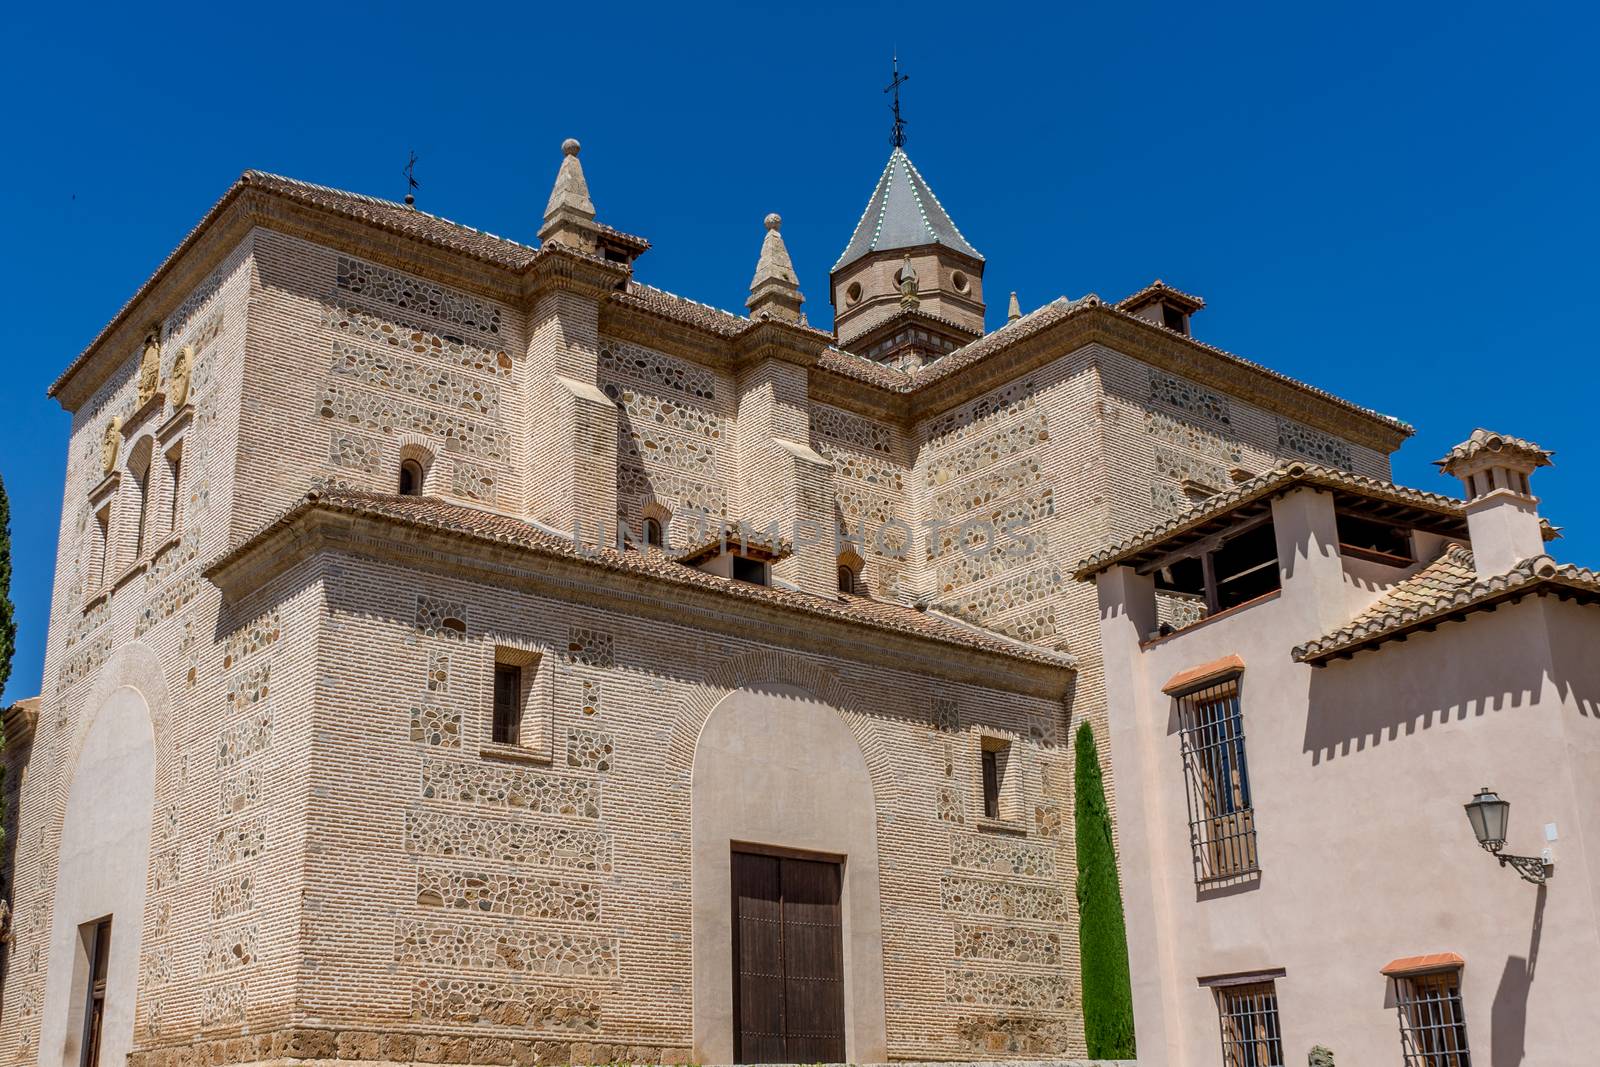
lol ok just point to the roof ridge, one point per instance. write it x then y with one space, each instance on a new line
378 201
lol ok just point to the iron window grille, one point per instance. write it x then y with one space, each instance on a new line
1222 824
1433 1024
1251 1036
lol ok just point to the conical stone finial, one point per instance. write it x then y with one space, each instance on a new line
569 215
774 290
1014 309
907 277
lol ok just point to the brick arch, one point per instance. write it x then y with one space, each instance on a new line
774 666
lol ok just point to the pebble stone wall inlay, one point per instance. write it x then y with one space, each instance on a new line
510 787
437 725
656 368
356 406
447 388
482 837
519 895
589 749
1314 445
548 1009
1002 855
415 295
372 329
593 647
479 947
1007 944
851 429
1037 992
1005 900
1187 396
222 1005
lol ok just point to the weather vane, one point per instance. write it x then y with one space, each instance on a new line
412 185
899 136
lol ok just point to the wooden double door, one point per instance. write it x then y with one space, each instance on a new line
788 960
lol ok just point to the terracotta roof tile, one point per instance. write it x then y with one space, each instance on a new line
1481 441
1445 588
1434 961
682 309
432 513
1205 672
1159 288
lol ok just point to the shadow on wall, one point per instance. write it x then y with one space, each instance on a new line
1401 690
1509 1016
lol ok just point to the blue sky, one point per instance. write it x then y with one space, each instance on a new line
1393 202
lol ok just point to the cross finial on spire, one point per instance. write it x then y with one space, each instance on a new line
898 138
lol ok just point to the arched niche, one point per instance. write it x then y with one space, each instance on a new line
103 860
775 766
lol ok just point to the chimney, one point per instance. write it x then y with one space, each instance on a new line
1163 305
1502 512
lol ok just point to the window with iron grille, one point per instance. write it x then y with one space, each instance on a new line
1222 825
1250 1033
1433 1026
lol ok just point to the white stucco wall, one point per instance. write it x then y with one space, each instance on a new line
1358 775
104 856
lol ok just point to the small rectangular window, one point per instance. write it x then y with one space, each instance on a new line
998 803
753 571
1250 1033
174 489
1222 828
1433 1023
96 939
102 546
508 690
991 784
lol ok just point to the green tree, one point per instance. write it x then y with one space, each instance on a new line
8 625
8 636
1102 935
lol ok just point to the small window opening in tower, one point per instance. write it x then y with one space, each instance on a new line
1173 319
410 478
849 579
652 533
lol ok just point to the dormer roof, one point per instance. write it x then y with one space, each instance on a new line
903 213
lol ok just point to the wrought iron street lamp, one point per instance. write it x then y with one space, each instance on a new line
1489 816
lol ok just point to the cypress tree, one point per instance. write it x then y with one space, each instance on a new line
8 635
1102 936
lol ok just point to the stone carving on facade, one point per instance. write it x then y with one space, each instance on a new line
178 379
1320 1056
149 369
110 443
908 285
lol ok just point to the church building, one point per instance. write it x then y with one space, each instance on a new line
464 651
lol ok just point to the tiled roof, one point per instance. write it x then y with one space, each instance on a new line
432 513
1447 587
734 535
398 218
681 309
1266 485
1481 441
1159 288
902 213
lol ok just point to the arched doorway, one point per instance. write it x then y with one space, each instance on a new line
783 823
102 864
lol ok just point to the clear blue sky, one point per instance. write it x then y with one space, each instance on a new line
1394 202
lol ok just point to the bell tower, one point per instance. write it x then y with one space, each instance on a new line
908 287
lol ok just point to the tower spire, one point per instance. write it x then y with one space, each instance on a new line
898 137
